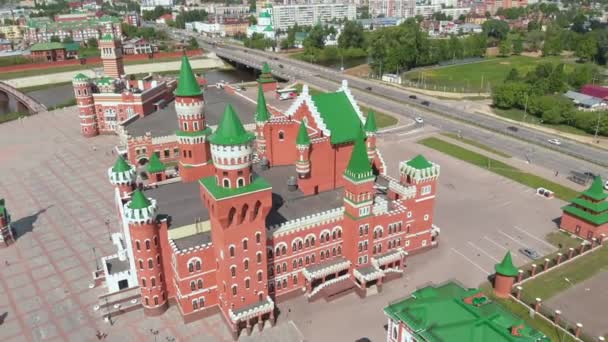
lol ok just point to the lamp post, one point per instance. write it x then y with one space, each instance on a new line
107 223
597 126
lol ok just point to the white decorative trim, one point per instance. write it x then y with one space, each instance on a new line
377 274
389 257
327 283
305 98
253 312
306 222
326 270
351 99
122 178
420 174
141 216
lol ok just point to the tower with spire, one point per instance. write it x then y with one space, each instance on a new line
505 276
587 214
238 203
266 80
192 133
303 147
111 55
370 132
261 118
83 92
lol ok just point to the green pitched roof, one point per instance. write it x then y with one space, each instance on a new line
419 162
441 314
72 46
187 84
269 28
506 267
339 116
155 165
261 113
230 131
370 122
302 138
265 68
264 14
139 200
105 80
596 219
81 77
596 190
120 165
107 37
359 167
46 46
218 192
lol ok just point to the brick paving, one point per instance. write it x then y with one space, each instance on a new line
56 188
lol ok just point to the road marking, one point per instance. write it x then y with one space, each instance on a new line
471 261
512 238
505 248
410 132
535 238
483 251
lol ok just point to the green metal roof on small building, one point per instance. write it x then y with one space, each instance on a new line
139 200
108 37
105 81
339 116
265 14
451 313
121 165
81 77
230 131
155 165
370 122
596 190
46 46
261 113
359 168
419 162
187 84
302 138
506 267
71 47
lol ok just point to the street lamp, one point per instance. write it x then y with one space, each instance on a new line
597 126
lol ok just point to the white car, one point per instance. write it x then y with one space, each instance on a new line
555 141
606 185
419 120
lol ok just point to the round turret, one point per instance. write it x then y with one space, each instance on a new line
122 176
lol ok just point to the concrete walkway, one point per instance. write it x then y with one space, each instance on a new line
206 63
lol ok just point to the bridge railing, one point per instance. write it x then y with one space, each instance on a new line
31 103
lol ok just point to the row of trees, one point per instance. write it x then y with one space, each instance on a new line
148 33
539 93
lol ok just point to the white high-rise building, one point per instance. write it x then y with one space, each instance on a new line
285 16
392 8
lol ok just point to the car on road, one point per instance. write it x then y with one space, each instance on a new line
281 66
513 128
555 141
275 58
368 88
530 253
590 174
413 97
419 120
426 103
606 185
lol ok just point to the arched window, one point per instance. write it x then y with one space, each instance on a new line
258 257
199 284
322 255
281 135
148 245
333 252
300 262
284 267
231 250
247 283
155 300
379 248
190 267
295 264
146 301
295 279
256 209
155 240
240 182
278 269
294 247
231 214
278 252
226 183
192 285
307 243
143 282
137 245
334 234
299 245
201 302
260 276
312 241
158 259
198 265
395 332
312 258
153 281
270 271
234 290
339 233
258 237
245 244
374 249
195 304
141 264
284 282
246 264
322 238
284 250
150 263
244 213
233 271
327 254
339 250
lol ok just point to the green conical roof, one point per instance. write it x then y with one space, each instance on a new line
187 84
81 77
506 267
596 190
370 122
359 167
265 68
230 131
419 162
302 138
261 114
139 200
155 165
107 36
120 165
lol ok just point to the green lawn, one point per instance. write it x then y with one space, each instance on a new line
476 144
518 115
382 119
551 283
476 77
499 167
12 116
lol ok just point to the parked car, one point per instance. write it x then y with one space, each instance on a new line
555 141
590 175
413 97
418 120
426 103
513 128
606 185
530 253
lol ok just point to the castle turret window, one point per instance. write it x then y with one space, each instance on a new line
258 237
199 284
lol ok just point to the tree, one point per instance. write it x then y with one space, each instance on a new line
509 95
534 39
351 36
92 43
315 39
193 43
252 6
252 20
55 39
587 48
504 48
496 28
518 46
156 13
513 75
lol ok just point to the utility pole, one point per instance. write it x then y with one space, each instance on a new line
597 126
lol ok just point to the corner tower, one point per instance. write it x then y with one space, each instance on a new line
266 80
83 91
140 213
122 176
111 55
505 276
238 203
192 133
261 118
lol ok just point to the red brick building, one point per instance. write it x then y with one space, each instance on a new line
259 236
587 215
48 52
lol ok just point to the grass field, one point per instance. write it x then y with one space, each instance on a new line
499 167
12 116
476 144
382 119
475 77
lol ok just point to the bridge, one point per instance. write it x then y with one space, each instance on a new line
24 102
233 58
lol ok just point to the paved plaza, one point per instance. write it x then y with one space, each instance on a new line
56 189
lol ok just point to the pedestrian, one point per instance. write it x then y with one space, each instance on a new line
556 173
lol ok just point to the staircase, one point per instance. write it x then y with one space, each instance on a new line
324 285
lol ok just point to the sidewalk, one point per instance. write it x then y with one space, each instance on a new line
518 163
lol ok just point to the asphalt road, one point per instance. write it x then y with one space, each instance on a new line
527 144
